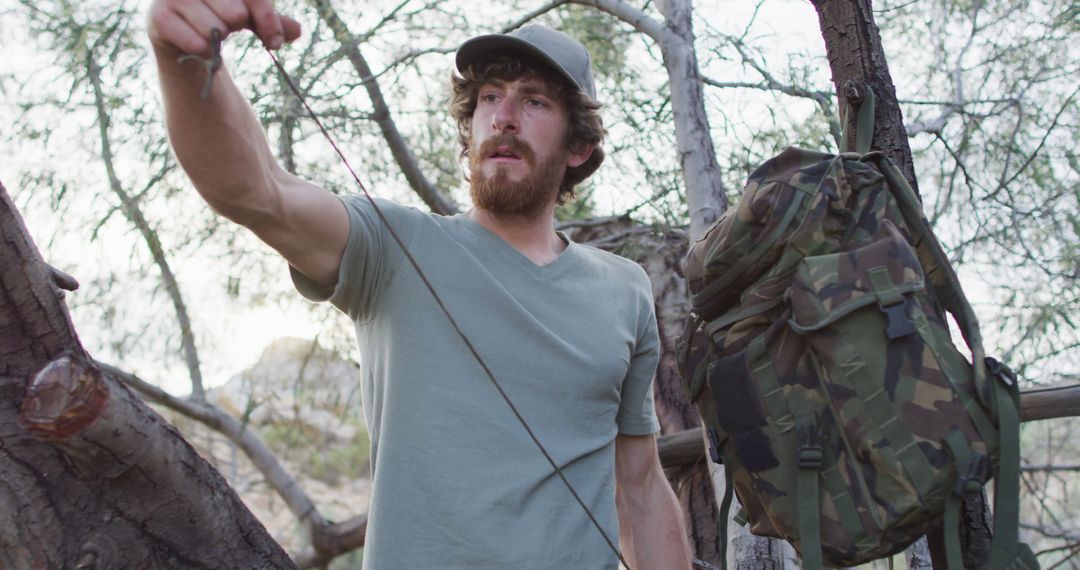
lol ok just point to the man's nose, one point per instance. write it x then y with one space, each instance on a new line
505 117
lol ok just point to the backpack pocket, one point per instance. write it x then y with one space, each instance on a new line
861 315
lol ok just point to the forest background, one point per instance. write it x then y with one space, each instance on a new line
180 298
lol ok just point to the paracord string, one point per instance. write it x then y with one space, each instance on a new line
445 310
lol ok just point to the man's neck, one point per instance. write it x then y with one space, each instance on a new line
534 237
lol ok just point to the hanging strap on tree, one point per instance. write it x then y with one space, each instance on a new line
862 95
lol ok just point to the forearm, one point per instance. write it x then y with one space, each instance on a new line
218 142
651 525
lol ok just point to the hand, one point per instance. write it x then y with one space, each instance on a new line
184 25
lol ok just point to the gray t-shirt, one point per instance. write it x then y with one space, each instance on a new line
456 481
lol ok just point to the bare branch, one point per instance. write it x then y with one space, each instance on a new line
403 154
134 214
261 456
1050 468
635 17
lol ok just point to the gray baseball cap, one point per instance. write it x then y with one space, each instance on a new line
562 52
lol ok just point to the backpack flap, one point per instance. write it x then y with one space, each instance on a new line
748 240
829 287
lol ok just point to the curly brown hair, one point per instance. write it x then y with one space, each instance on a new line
585 124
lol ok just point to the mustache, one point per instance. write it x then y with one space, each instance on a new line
508 140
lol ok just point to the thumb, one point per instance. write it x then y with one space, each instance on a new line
290 27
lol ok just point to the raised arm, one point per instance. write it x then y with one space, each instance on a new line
221 145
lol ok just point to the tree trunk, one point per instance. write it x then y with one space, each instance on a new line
853 46
90 477
697 155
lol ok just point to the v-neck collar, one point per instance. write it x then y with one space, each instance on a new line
497 244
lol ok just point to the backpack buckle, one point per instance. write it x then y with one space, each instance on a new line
976 472
892 302
714 446
1000 371
898 322
809 451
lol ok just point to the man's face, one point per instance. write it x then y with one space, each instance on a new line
519 152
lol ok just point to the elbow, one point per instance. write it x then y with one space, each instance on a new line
247 203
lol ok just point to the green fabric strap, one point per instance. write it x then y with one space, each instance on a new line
725 509
840 495
1003 549
763 373
739 313
809 455
952 295
864 129
961 454
884 288
953 559
864 126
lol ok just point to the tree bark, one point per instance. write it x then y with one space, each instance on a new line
1050 403
90 477
853 46
697 155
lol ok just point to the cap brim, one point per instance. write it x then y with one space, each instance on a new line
480 48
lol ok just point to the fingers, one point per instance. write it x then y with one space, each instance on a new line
186 24
187 32
266 23
291 28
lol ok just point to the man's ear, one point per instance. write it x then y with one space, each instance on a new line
579 154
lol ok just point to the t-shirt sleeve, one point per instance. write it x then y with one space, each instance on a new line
370 258
637 415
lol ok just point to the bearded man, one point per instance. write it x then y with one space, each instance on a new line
567 330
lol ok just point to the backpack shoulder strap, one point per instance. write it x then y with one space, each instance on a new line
1000 392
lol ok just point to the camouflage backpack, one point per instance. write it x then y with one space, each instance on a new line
819 356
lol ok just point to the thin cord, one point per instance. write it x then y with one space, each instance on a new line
439 301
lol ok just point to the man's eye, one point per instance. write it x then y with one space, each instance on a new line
538 103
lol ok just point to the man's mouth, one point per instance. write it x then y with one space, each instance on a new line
504 153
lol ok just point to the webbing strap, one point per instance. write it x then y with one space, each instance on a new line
809 455
738 314
951 294
864 128
1003 548
840 495
961 454
778 405
725 509
953 558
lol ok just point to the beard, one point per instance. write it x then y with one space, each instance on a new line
525 198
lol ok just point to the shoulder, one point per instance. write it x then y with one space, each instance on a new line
372 206
616 268
373 215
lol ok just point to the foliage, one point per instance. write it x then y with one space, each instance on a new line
999 108
988 88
